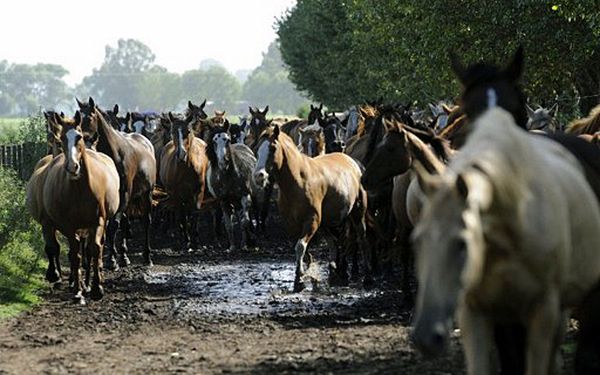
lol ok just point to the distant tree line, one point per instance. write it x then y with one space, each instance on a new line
347 51
129 76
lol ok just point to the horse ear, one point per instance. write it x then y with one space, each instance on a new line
264 112
56 120
514 70
458 68
428 183
171 117
203 104
276 132
251 110
553 110
91 102
128 117
312 108
79 103
530 110
321 107
77 118
226 126
116 109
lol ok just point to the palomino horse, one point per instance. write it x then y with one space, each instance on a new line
313 192
542 119
586 125
133 155
183 165
393 158
229 179
76 193
509 235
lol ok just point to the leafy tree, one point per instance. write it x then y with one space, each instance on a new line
269 84
399 49
160 90
214 83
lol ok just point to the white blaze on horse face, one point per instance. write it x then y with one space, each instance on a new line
180 150
256 121
139 127
221 140
492 98
260 172
311 147
73 152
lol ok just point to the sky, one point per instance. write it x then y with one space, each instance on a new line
181 33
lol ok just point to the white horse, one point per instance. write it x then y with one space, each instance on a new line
510 234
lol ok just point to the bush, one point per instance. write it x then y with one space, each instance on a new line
303 111
21 248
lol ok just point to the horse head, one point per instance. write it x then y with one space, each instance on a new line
334 133
269 154
315 113
542 119
73 146
257 125
486 86
182 134
218 148
312 140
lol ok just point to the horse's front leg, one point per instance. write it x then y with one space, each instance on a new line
183 225
544 323
75 259
228 220
358 219
125 229
95 246
245 221
52 249
147 222
477 337
111 233
309 229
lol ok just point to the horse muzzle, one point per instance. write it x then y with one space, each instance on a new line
430 338
73 170
261 177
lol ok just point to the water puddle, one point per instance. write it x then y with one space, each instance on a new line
254 288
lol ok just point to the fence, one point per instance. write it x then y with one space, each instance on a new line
21 157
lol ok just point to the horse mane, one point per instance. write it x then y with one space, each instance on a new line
586 125
365 110
440 146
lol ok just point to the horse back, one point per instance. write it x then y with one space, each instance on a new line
34 189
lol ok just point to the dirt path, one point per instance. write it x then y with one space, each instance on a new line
212 312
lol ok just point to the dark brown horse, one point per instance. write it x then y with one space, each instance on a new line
133 155
76 193
183 165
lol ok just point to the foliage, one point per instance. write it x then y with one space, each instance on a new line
345 51
269 84
21 260
24 88
212 82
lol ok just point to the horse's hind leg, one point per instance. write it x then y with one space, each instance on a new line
110 261
228 220
125 229
183 225
245 221
52 249
358 219
147 222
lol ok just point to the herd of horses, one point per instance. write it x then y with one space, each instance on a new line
497 204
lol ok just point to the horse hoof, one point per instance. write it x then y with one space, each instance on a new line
52 276
148 262
97 293
299 286
79 298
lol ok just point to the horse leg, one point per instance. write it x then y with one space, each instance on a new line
266 204
309 230
406 259
228 219
75 258
52 249
358 219
183 225
477 336
541 350
95 246
125 229
245 222
337 269
110 261
147 222
217 220
87 261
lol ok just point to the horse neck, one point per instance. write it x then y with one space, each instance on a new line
292 164
108 140
423 153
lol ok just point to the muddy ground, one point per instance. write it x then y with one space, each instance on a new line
210 311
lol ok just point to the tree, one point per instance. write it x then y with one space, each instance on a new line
160 90
214 83
118 80
399 49
269 84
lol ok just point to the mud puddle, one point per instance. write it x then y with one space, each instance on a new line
254 288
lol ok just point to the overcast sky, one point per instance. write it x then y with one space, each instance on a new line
181 33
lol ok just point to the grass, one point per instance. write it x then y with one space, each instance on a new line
21 260
9 129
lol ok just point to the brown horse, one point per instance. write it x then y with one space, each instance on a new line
53 130
133 155
586 125
312 141
183 165
76 193
314 192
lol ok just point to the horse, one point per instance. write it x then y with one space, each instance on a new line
586 125
256 125
542 119
334 131
313 192
509 235
133 154
53 130
312 141
393 159
229 179
183 166
293 128
238 131
75 193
